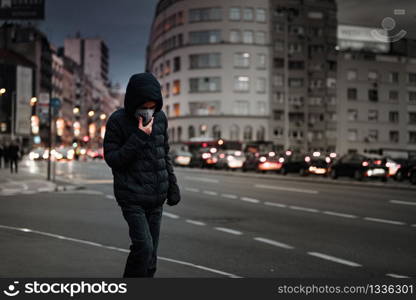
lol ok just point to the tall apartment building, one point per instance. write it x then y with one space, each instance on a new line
222 69
377 98
91 54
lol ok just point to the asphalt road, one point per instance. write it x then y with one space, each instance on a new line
226 226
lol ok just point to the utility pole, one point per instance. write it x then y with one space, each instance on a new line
49 176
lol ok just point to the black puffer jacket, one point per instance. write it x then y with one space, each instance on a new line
143 172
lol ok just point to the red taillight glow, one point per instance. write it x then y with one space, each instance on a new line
365 163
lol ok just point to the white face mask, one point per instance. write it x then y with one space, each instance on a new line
145 113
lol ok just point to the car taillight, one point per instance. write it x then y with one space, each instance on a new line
365 163
378 162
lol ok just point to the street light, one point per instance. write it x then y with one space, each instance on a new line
76 110
91 113
33 101
103 116
2 91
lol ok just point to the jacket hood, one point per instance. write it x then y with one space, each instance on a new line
141 88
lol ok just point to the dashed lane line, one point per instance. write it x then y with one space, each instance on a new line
170 215
90 243
202 179
110 197
192 190
403 202
337 214
211 193
313 210
248 199
335 259
273 243
384 221
229 196
396 275
194 222
287 189
228 230
280 205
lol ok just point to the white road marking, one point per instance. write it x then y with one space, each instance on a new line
169 215
211 193
229 196
110 197
335 259
228 230
45 189
273 243
336 214
402 202
313 210
97 181
414 225
251 200
198 223
384 221
275 204
61 237
396 275
288 189
202 179
192 190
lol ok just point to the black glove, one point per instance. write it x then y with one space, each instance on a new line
174 194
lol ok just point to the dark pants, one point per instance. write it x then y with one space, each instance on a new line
13 162
144 228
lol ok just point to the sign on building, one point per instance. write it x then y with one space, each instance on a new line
23 96
22 10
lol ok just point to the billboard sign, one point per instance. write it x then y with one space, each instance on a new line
23 96
22 10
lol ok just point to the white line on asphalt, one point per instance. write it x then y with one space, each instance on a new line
313 210
45 189
192 190
273 243
228 230
335 259
414 225
198 223
169 215
275 204
402 202
211 193
203 179
384 221
336 214
61 237
110 197
251 200
396 275
288 189
98 181
229 196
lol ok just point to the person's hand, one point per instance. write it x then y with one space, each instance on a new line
148 128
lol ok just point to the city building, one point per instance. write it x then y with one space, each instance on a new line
377 97
227 69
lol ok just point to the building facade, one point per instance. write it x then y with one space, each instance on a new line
223 68
377 103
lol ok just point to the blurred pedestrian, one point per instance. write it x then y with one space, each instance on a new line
136 148
6 156
13 153
1 155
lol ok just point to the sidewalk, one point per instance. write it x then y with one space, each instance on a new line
25 182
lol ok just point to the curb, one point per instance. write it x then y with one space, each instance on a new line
303 179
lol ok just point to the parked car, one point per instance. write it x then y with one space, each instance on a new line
293 163
262 162
204 158
412 175
181 157
403 171
317 165
359 167
229 159
37 154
